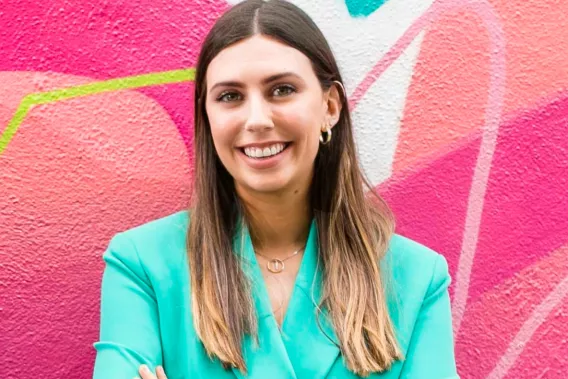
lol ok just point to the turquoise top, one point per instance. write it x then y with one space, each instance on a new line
146 312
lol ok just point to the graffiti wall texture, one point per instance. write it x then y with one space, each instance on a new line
461 114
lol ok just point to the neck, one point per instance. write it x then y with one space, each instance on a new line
279 223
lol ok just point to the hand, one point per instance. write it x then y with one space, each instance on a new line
145 373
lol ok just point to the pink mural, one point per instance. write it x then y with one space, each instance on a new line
95 126
505 246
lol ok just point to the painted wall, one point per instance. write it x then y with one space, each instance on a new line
461 114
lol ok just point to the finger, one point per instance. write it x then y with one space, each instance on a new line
145 372
160 373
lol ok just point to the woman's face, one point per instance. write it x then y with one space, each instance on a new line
266 109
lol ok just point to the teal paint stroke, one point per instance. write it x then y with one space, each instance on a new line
363 8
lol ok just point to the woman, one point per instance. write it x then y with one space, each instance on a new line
283 267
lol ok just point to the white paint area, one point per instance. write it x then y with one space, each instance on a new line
378 116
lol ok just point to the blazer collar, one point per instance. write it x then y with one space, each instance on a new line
306 347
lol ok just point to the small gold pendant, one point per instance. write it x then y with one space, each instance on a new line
275 266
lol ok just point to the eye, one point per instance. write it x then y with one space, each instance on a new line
283 90
227 97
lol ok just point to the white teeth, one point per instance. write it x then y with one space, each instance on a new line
268 151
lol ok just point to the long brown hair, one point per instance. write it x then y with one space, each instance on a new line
353 229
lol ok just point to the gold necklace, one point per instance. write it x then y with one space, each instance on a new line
276 265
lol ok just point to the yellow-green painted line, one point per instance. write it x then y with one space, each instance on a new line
130 82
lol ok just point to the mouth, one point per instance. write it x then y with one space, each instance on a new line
265 153
267 158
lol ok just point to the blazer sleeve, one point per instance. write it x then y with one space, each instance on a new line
430 353
129 329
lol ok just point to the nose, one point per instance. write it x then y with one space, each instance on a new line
259 116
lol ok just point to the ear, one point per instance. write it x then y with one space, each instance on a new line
333 98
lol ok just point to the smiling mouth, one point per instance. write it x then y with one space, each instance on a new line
266 153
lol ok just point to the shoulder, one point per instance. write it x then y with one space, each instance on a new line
153 249
415 264
415 274
170 229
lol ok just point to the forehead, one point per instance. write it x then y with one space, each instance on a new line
255 58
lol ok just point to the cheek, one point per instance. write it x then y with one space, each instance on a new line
220 125
303 122
311 134
222 129
223 136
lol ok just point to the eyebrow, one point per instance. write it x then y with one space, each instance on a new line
270 79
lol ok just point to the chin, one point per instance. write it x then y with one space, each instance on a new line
267 188
265 185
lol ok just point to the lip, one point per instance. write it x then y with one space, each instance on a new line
262 145
264 163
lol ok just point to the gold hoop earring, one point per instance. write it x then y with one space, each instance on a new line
325 135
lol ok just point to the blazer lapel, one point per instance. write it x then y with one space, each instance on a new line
310 341
269 358
307 347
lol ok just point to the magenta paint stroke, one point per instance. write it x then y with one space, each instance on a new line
490 129
107 40
523 220
528 329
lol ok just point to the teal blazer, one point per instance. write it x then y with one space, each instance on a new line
146 313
